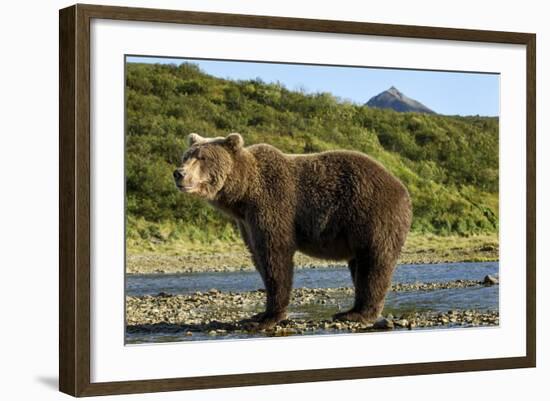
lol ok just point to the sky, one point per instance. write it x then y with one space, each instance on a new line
449 93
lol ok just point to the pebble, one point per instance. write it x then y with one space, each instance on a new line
401 322
490 280
383 323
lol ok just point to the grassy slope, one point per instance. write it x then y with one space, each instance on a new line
448 163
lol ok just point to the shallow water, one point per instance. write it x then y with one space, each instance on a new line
325 277
398 303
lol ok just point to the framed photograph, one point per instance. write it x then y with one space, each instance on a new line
249 200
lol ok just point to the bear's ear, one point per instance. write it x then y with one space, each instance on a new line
234 141
194 138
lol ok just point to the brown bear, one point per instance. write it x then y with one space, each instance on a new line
337 205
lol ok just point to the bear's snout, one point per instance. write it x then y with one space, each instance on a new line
178 175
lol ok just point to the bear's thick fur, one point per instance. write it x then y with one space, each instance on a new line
339 205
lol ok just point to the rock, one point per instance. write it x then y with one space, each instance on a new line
337 326
383 324
490 280
401 323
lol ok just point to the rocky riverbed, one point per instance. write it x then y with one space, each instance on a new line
219 314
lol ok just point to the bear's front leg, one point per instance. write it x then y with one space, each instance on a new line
276 268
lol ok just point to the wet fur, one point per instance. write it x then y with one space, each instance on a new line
339 205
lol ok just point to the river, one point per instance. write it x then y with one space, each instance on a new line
479 298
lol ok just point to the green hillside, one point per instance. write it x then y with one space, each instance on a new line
448 163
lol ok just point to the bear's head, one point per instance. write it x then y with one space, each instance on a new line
206 164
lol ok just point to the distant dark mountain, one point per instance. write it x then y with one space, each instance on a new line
394 99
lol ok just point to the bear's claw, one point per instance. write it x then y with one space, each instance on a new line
353 316
262 321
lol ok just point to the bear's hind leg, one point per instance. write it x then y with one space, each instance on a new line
372 280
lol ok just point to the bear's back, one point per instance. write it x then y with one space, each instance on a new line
331 173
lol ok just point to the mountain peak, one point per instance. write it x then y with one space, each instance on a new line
396 100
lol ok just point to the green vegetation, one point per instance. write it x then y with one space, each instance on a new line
448 163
